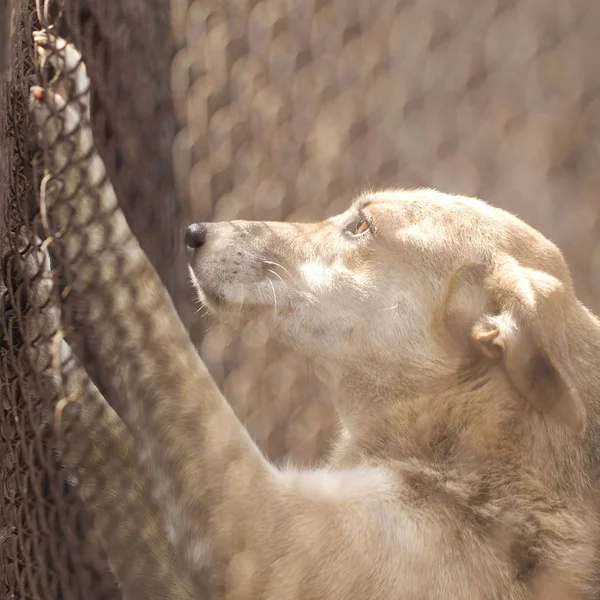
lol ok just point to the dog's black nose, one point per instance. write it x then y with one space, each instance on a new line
195 235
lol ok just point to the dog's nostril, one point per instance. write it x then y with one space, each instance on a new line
195 235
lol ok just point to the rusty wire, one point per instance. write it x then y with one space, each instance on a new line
275 110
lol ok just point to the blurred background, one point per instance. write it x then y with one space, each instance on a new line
286 109
290 108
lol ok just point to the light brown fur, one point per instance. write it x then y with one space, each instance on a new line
468 395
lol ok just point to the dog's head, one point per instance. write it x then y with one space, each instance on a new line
417 280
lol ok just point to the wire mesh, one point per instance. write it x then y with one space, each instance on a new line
261 110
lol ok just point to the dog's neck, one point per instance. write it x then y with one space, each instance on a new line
441 421
456 422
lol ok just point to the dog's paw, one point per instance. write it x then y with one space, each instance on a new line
44 103
67 63
55 118
61 55
41 38
38 96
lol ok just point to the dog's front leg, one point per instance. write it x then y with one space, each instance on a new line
96 447
197 451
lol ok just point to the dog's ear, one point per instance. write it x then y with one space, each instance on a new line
517 315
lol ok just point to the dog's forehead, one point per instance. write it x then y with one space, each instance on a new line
423 202
474 227
437 210
428 208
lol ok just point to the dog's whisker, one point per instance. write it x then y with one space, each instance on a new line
278 276
242 300
201 314
276 264
285 286
274 299
390 307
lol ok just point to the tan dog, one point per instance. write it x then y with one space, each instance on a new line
466 374
468 394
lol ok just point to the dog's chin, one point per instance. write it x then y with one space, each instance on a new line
210 298
222 307
214 302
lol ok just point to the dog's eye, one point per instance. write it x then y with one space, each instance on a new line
361 226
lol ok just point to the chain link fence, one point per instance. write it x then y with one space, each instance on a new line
274 109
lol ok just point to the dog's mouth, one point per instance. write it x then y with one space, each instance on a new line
225 300
212 299
232 296
208 296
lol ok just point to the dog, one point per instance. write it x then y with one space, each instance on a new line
467 464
